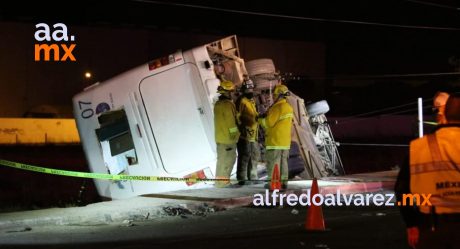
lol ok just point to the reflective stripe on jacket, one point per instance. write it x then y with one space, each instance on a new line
248 119
278 125
225 127
435 169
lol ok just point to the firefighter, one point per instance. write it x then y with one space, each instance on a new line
277 125
434 168
248 146
226 132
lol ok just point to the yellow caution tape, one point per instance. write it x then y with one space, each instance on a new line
430 123
101 176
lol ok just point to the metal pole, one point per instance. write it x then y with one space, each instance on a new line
420 117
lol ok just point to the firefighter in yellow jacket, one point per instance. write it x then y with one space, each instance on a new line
248 145
277 125
226 133
434 171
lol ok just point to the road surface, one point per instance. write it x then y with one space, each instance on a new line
249 227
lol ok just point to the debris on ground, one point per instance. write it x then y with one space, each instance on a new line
177 211
204 210
127 223
183 210
19 230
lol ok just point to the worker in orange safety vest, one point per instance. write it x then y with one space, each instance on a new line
433 173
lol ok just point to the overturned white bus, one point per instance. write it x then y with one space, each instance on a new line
157 120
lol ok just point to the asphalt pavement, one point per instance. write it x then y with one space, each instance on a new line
196 202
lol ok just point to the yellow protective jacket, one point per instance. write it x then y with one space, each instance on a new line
277 126
225 124
248 119
435 169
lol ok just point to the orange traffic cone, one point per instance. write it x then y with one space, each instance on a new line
275 181
315 220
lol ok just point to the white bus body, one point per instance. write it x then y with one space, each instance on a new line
153 120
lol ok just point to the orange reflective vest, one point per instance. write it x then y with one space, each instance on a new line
435 169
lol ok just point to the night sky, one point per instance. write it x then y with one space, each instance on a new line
377 54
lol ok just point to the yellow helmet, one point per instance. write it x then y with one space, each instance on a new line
225 86
281 89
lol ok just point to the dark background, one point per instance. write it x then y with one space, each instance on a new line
369 59
367 53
